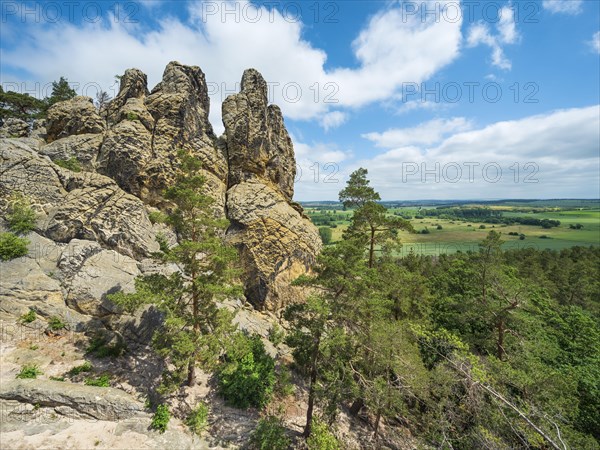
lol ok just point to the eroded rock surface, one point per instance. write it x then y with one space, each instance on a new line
72 117
140 150
277 242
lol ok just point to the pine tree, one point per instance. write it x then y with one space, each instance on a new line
195 330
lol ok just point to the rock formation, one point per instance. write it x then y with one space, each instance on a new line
148 129
128 154
277 242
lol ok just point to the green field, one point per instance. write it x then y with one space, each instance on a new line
459 235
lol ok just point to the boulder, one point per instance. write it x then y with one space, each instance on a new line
76 205
91 273
101 403
14 128
277 242
75 116
83 147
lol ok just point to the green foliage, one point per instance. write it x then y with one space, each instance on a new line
28 317
157 217
270 434
12 246
326 234
247 378
85 367
72 164
321 438
197 420
101 381
276 334
19 106
358 192
57 378
161 418
132 116
99 347
20 216
56 324
61 91
29 371
195 330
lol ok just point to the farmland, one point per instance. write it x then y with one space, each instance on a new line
579 225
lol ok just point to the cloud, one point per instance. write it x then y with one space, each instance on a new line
333 119
480 33
389 50
319 170
572 7
595 42
426 133
543 156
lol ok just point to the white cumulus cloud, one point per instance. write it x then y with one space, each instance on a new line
572 7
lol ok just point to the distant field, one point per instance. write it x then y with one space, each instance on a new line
457 235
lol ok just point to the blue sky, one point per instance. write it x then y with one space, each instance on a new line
438 99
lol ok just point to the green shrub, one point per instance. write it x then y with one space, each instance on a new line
70 164
161 418
100 348
101 381
12 246
439 227
482 227
247 377
55 323
326 234
198 418
276 334
85 367
29 371
28 317
321 438
20 218
57 378
284 385
157 217
270 435
132 116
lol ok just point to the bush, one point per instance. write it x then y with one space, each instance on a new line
198 418
439 227
70 164
29 371
85 367
522 237
55 323
321 438
28 317
482 227
326 235
161 418
12 246
100 348
270 435
101 381
57 378
247 377
21 218
157 217
276 334
132 116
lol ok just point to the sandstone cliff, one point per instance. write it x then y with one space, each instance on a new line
128 154
278 243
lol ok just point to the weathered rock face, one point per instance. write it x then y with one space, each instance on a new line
277 242
140 150
14 128
75 116
75 205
